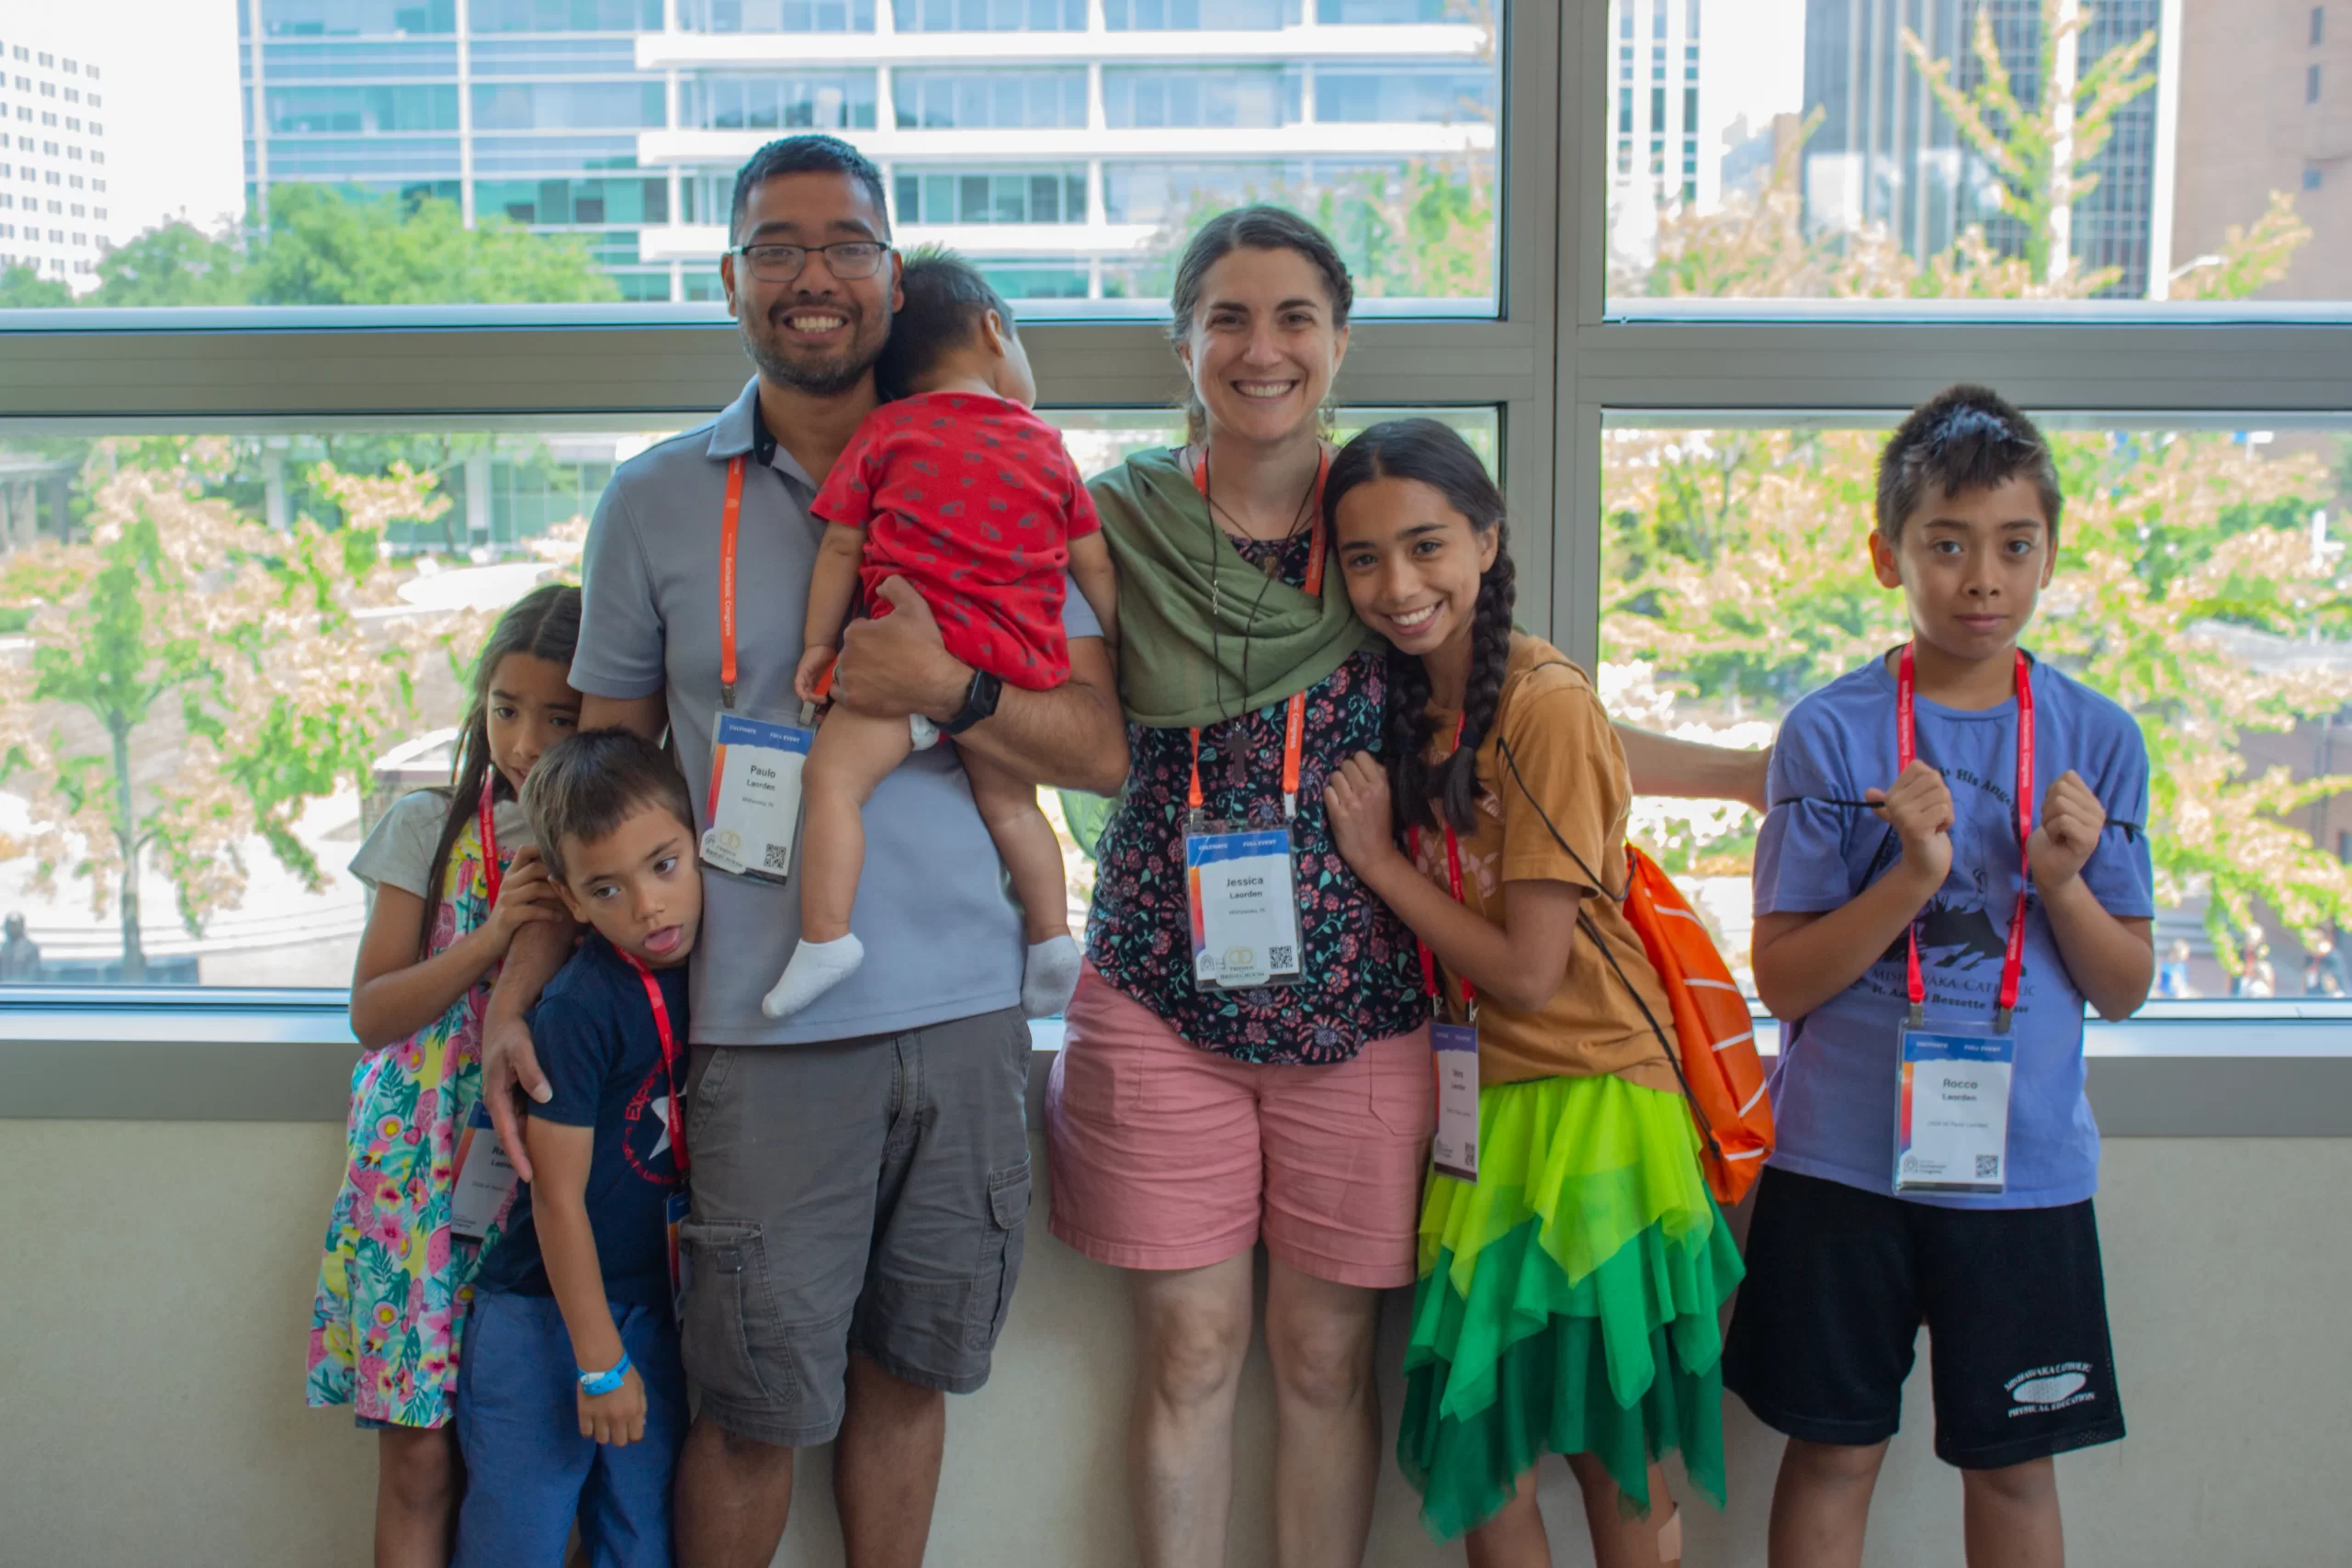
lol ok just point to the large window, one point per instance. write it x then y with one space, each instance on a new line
226 655
2201 582
1001 98
2150 151
392 121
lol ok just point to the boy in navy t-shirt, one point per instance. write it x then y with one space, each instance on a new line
1861 859
570 1398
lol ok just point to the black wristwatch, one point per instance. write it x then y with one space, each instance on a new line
979 701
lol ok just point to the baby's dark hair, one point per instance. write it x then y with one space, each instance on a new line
586 785
1964 439
1435 453
945 298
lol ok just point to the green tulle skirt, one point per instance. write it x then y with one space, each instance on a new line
1569 1302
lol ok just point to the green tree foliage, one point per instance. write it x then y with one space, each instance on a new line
325 245
197 679
22 289
172 263
1740 578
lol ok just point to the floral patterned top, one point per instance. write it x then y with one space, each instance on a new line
1364 979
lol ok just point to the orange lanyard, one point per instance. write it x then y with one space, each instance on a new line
1453 881
1905 749
668 1056
489 865
730 520
1295 722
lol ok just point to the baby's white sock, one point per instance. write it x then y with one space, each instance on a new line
1049 976
816 967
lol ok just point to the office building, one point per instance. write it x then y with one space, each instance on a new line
54 211
1058 141
2266 105
1657 122
1887 154
530 109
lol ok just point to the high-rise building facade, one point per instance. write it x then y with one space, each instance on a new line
1885 152
1656 121
530 109
2266 105
1057 141
54 211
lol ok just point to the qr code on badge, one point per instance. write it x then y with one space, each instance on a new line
1987 1165
775 856
1281 959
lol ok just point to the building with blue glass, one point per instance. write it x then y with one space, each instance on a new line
1058 142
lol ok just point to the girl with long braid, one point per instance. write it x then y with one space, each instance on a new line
1569 1298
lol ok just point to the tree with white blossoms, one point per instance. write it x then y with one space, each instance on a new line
196 680
1736 557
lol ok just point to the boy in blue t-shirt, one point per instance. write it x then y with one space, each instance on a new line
570 1398
1858 858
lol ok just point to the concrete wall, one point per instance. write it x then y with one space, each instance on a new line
155 1282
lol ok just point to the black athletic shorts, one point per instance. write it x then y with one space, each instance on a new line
1840 1279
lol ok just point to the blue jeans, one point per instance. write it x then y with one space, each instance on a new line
529 1471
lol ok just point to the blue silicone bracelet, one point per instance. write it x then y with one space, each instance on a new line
605 1382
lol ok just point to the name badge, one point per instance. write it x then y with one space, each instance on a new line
1244 892
486 1178
754 807
675 1212
1455 1148
1951 1110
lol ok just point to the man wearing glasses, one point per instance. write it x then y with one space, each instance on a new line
860 1172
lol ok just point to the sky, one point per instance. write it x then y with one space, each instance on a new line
170 85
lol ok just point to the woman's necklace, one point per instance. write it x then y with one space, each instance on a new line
1272 565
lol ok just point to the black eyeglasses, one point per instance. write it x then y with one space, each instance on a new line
845 259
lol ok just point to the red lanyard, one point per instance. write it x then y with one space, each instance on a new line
1295 723
730 518
669 1057
489 821
1453 881
1905 749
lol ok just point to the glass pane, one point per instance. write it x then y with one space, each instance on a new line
2201 582
370 152
273 625
277 626
1924 149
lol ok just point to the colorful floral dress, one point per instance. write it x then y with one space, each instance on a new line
1364 978
396 1281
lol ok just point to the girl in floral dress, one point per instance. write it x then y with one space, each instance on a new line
454 877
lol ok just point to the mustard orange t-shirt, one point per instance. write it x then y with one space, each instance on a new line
1570 769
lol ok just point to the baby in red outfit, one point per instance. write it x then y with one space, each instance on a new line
959 489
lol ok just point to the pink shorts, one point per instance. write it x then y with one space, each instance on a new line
1165 1156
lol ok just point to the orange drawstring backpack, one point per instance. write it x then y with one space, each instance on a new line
1713 1049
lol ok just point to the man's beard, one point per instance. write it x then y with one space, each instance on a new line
819 378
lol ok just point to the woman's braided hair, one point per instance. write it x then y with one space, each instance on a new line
1435 454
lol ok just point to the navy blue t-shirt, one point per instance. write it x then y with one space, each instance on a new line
594 1034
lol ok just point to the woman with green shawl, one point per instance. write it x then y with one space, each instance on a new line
1186 1120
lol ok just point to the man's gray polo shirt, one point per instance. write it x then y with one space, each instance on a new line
942 941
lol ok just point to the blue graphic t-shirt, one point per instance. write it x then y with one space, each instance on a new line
1833 1091
594 1031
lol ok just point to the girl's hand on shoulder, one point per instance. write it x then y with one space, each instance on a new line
814 662
527 896
618 1418
1364 824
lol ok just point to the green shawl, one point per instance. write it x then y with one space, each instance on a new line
1182 664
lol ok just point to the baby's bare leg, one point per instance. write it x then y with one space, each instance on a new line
852 752
1032 855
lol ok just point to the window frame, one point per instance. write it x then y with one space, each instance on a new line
1554 363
